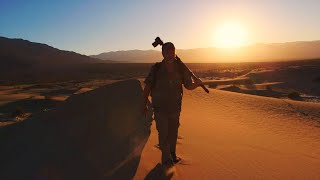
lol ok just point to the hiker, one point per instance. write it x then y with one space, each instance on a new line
164 82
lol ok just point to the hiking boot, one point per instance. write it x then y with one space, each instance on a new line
168 164
175 158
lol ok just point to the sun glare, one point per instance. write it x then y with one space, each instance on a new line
230 35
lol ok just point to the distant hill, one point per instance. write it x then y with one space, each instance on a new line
146 56
24 60
16 52
254 53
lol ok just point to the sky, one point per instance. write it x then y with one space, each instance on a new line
95 26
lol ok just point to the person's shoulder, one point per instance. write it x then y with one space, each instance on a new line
156 65
159 62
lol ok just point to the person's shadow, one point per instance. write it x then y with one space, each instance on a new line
157 173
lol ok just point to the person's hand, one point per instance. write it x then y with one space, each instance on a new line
145 108
198 82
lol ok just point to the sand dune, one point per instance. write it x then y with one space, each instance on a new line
238 136
95 135
226 135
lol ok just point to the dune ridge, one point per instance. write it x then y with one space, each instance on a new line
238 136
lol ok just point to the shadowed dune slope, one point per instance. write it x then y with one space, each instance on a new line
299 78
95 135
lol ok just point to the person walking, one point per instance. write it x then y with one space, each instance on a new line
164 84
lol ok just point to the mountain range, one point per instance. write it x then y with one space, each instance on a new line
253 53
16 52
23 60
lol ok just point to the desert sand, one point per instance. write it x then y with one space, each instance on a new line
226 135
229 135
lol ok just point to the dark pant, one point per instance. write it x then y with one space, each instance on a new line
167 126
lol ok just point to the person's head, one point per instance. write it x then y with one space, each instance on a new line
168 50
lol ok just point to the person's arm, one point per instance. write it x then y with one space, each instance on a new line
147 89
187 80
146 93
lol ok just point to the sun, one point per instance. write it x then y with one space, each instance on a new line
230 35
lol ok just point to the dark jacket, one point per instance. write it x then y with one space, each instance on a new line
166 92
